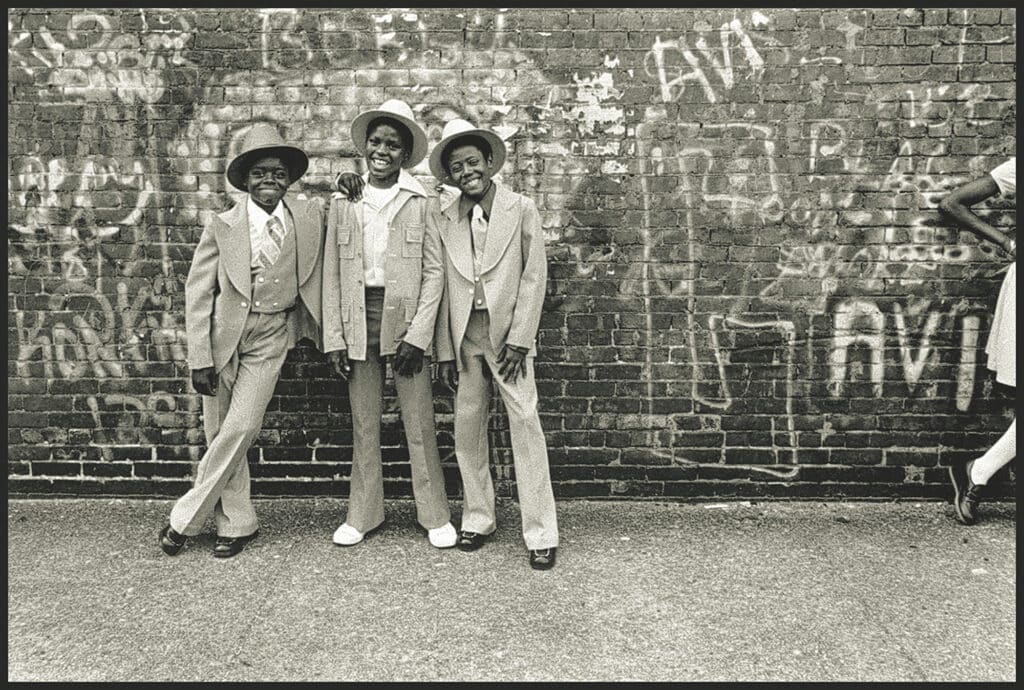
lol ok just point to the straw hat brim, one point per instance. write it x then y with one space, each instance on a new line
419 137
498 152
295 158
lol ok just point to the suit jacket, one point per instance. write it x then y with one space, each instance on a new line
218 290
413 276
514 272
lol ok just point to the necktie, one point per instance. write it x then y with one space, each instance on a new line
479 229
271 249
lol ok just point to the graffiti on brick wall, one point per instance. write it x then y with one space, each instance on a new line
843 242
676 65
86 226
659 198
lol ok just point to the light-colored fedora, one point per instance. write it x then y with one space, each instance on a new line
263 139
454 129
396 110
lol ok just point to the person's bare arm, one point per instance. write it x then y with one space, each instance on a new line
957 206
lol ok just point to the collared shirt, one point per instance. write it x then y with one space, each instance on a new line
379 209
466 204
258 227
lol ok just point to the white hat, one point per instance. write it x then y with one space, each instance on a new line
396 110
454 129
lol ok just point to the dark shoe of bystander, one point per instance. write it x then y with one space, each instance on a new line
966 494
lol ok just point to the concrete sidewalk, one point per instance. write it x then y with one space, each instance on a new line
642 591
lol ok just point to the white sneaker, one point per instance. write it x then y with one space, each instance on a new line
347 535
442 537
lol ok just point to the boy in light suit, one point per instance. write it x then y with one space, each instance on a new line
253 291
496 274
383 280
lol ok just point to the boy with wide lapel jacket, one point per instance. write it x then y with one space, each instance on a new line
252 292
496 276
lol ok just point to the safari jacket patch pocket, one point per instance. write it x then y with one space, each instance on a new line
413 245
346 248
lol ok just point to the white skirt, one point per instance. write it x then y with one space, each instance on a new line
1002 357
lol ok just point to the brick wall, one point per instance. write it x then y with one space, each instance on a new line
751 293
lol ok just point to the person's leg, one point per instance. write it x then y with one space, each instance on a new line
261 354
366 396
366 487
415 398
472 400
969 479
530 457
1002 451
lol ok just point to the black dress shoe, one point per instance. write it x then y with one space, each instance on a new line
967 494
226 547
542 559
170 541
470 541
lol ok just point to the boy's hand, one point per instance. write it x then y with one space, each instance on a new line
205 381
513 363
350 185
408 360
339 362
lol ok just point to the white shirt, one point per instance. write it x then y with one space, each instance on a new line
379 209
1005 175
258 227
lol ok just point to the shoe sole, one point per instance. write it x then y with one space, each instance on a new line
957 493
470 547
232 554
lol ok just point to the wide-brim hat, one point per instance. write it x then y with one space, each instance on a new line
455 129
396 110
262 140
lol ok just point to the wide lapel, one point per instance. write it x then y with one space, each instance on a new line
235 247
308 238
456 239
500 228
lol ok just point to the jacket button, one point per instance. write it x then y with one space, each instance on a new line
262 279
277 280
257 303
479 301
244 304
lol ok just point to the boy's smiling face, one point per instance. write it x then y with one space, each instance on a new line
268 179
470 170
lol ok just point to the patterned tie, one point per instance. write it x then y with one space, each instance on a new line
271 248
479 229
